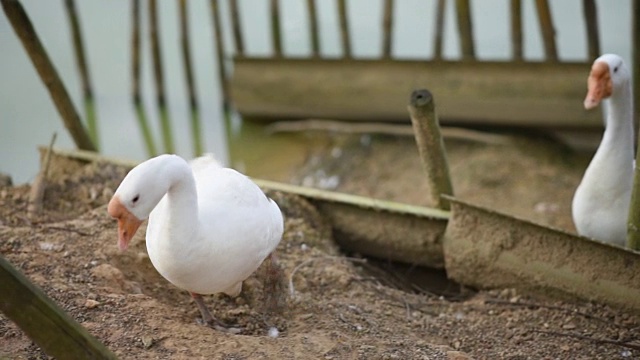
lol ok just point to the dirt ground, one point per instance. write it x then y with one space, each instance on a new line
334 305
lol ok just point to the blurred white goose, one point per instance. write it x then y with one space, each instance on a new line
209 227
601 202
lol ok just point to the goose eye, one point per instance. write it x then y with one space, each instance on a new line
136 198
615 69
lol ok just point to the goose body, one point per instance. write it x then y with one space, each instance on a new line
601 202
209 227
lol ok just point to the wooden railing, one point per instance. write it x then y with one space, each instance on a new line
554 97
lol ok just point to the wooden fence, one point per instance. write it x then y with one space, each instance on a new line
516 92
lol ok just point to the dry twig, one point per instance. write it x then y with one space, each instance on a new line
455 133
589 338
37 188
550 307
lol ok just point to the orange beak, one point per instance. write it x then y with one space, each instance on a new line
599 85
128 223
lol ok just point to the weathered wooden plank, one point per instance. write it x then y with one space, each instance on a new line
384 229
44 321
498 93
487 249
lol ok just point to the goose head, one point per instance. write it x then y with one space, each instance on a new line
608 74
140 191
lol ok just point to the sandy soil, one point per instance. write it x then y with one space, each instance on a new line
333 305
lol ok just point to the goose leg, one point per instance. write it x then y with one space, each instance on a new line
210 319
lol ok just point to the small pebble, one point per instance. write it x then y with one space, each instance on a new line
90 304
147 341
47 246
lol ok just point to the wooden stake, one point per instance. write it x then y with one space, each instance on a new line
344 28
196 129
633 223
47 72
87 88
516 29
546 27
591 21
40 183
45 322
276 33
313 27
141 114
237 26
387 26
465 29
439 31
219 46
163 108
431 147
635 53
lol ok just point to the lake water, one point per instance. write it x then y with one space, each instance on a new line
28 117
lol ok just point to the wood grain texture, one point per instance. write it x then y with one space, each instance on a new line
496 93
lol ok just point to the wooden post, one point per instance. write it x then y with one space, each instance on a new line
47 72
141 114
163 108
591 22
219 46
237 26
39 184
276 32
548 32
635 53
196 129
633 223
430 146
43 321
516 29
439 31
313 27
465 29
87 88
387 26
344 28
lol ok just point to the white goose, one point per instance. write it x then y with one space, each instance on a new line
601 202
209 227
